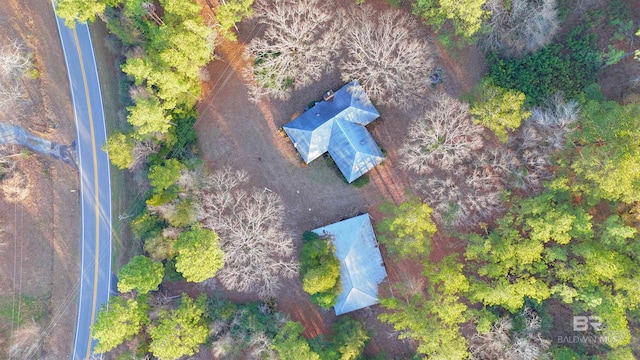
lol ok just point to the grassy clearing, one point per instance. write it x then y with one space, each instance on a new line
26 308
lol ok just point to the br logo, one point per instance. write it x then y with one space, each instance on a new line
582 323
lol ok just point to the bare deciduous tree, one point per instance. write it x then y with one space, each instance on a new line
541 135
298 46
459 203
15 187
525 27
386 54
501 344
492 344
233 334
557 115
10 92
258 250
14 62
444 137
502 161
142 150
7 164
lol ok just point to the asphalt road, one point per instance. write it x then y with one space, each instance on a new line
95 186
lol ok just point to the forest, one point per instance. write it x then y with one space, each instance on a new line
532 176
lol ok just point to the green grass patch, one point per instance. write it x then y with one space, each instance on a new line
359 182
18 310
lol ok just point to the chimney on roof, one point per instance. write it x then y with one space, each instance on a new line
328 96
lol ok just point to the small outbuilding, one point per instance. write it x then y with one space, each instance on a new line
361 266
337 125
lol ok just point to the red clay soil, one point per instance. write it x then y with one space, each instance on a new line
232 131
39 258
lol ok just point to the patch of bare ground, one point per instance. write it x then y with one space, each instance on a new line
232 131
39 262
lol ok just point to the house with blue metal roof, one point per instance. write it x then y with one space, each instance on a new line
361 266
337 125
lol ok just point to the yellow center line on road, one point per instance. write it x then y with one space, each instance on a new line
95 176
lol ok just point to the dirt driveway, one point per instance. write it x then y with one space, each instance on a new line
233 131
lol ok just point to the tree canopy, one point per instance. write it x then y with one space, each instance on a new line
141 274
119 147
118 321
466 15
549 245
148 116
181 331
433 322
498 109
608 143
229 13
82 10
320 269
290 344
164 175
199 254
407 229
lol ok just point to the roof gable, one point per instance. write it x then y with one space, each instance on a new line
353 149
337 126
361 267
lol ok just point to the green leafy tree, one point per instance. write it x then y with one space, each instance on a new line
549 245
241 329
160 247
175 51
433 322
141 274
82 10
608 142
184 43
229 13
290 344
349 337
498 109
602 275
346 342
466 15
407 229
637 52
146 225
199 254
118 321
148 116
567 67
182 214
517 255
181 331
320 270
119 147
321 278
165 175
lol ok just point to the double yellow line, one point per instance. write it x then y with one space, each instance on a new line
97 189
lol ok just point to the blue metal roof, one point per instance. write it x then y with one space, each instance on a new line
361 266
337 126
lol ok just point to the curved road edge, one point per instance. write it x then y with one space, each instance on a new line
95 186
